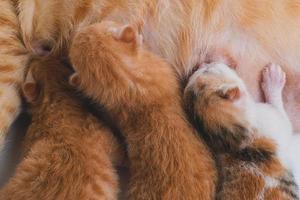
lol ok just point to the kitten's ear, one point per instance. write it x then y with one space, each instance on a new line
127 34
30 89
230 92
74 80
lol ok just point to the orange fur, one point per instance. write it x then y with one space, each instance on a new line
140 90
68 154
13 59
254 32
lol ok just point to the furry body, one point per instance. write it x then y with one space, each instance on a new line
254 32
250 139
140 90
68 153
13 59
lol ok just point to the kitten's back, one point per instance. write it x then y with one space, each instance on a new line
69 154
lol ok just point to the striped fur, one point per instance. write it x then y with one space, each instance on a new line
254 32
181 31
68 154
13 59
140 91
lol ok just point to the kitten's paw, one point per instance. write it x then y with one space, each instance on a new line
273 81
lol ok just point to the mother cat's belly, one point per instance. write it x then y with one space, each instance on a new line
250 58
249 69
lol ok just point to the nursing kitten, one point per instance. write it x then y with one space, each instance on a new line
140 91
68 153
181 31
249 139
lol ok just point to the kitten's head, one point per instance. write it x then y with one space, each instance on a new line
44 80
105 44
219 82
215 97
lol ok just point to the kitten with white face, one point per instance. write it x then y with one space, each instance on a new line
250 139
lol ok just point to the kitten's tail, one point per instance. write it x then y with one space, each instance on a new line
13 60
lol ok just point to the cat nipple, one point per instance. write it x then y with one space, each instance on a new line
222 56
42 47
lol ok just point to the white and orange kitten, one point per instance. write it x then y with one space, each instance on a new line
255 32
251 140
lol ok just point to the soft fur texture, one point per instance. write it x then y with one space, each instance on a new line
68 153
254 32
140 90
13 59
250 139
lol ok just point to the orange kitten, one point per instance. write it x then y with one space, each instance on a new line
68 154
249 139
183 32
254 32
141 92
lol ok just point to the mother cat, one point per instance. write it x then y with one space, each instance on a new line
253 32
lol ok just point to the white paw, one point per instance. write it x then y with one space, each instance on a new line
273 81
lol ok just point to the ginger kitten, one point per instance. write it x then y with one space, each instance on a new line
249 139
68 153
140 90
181 31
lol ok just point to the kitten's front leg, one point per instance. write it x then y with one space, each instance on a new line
273 82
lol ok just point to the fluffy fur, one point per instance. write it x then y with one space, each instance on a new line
140 90
68 153
13 59
254 32
250 139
